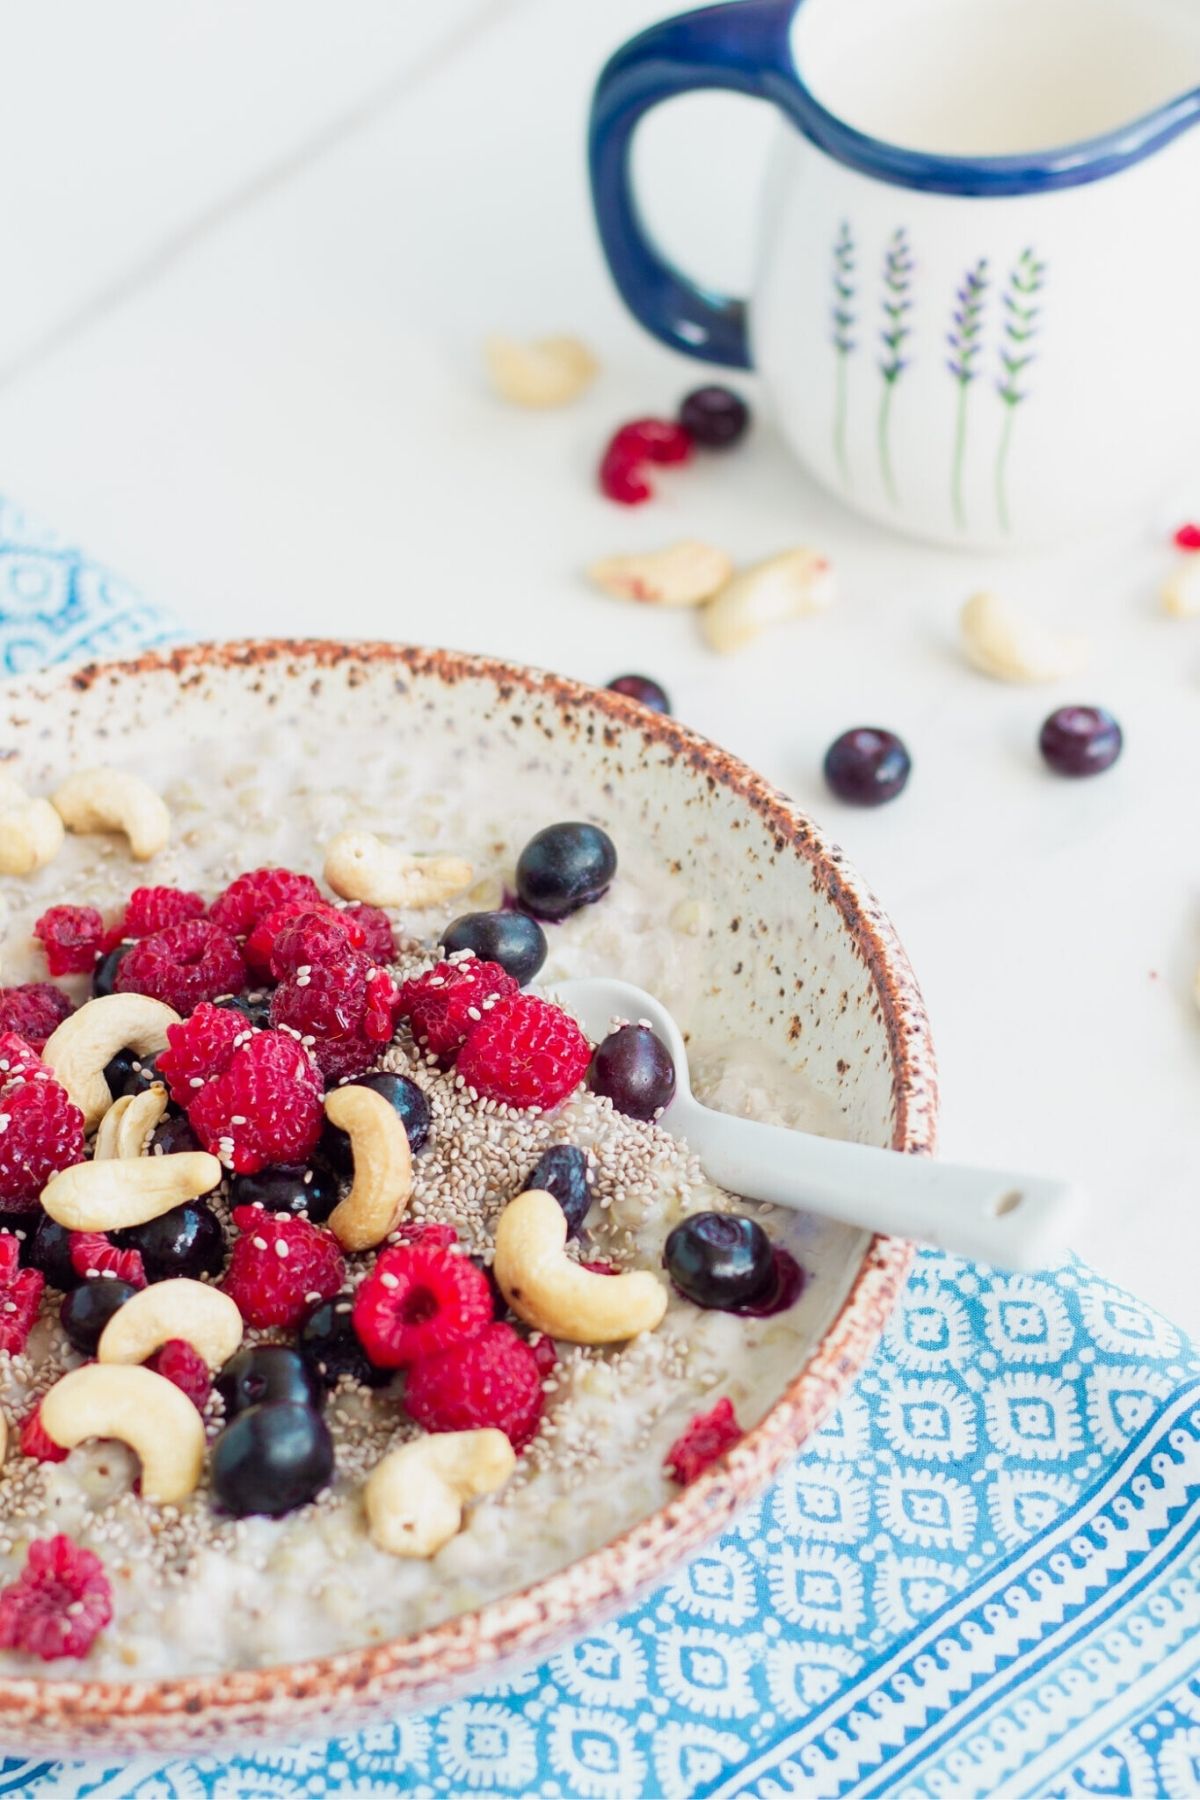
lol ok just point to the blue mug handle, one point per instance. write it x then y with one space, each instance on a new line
743 47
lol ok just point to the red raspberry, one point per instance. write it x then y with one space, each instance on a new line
270 1287
59 1603
34 1011
432 1237
492 1379
600 1268
378 939
544 1355
199 1048
1188 537
344 1010
621 478
641 441
251 897
183 965
445 1003
20 1296
40 1133
36 1441
265 1107
18 1061
706 1438
91 1254
151 909
418 1300
525 1052
298 932
71 937
180 1363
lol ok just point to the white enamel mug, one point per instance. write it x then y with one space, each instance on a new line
977 304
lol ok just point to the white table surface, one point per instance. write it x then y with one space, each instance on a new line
250 254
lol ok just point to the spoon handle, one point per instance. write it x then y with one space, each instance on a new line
995 1216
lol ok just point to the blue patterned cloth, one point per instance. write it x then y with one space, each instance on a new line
982 1575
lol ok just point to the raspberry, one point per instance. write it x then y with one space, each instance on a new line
71 937
707 1437
251 897
18 1061
641 441
183 965
345 1008
544 1355
182 1364
1188 537
418 1300
525 1052
199 1048
378 939
58 1604
151 909
20 1296
274 1287
40 1133
492 1379
265 1107
93 1254
34 1011
432 1237
36 1441
447 1001
298 932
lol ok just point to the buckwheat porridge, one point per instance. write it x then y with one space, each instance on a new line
328 1132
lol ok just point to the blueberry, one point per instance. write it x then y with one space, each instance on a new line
642 689
86 1310
867 766
104 975
23 1226
720 1259
50 1252
633 1068
128 1073
330 1346
1080 740
512 939
401 1093
272 1459
261 1374
499 1303
565 867
186 1241
562 1171
714 416
312 1191
173 1137
256 1008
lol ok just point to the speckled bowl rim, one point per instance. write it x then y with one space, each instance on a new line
317 1696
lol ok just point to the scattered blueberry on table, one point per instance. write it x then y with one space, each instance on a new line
642 689
1080 740
867 766
714 416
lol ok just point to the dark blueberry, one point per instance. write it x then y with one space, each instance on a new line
784 1289
173 1137
714 416
272 1459
499 1303
50 1252
23 1226
1080 740
565 867
720 1259
401 1093
330 1347
633 1068
261 1374
867 766
256 1008
186 1241
86 1310
641 688
105 973
129 1073
312 1191
562 1171
512 939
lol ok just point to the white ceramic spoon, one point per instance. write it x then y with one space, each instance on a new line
994 1216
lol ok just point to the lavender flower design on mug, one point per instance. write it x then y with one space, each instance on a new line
965 339
897 304
1022 312
845 319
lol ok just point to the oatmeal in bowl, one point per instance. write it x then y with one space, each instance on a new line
363 1329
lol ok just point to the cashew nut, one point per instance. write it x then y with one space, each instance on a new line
360 866
1181 590
150 1414
203 1316
415 1496
112 800
549 372
108 1196
128 1123
84 1044
1001 642
788 586
3 1437
555 1295
31 832
682 575
383 1178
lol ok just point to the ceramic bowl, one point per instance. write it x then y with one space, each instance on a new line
797 956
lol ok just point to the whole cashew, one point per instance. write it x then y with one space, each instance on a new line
1001 643
108 1196
360 866
112 800
83 1045
555 1295
788 586
549 372
682 575
150 1414
1181 590
128 1123
383 1177
415 1496
202 1316
31 832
